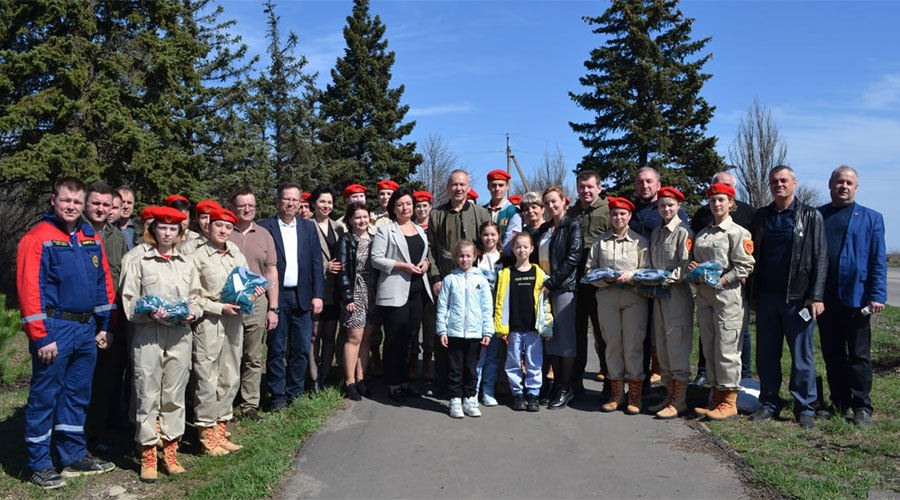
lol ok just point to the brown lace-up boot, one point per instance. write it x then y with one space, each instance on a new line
677 404
727 407
616 395
717 396
221 427
148 464
210 443
634 397
170 458
666 400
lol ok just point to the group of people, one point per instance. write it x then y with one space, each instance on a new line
497 290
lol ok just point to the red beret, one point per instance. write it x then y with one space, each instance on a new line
387 184
352 189
719 188
148 213
206 206
498 175
176 197
168 215
304 197
623 203
515 199
670 192
420 196
472 195
222 214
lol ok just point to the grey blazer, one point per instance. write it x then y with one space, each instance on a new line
388 247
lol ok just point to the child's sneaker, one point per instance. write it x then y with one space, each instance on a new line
531 402
470 405
456 410
489 400
518 402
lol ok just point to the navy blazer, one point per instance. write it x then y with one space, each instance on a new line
310 274
862 274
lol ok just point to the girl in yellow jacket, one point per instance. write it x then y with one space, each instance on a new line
522 316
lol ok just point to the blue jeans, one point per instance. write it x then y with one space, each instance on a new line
291 337
775 322
59 395
529 346
488 365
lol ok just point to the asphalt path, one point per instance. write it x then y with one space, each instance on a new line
372 449
893 286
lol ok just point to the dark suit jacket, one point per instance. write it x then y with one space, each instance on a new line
310 274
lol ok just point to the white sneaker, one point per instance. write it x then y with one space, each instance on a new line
470 405
489 400
456 409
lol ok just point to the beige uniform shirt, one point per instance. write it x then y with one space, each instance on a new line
730 245
214 266
670 249
628 253
146 272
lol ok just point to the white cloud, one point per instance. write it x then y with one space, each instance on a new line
883 94
442 109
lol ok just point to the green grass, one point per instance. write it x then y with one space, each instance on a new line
836 459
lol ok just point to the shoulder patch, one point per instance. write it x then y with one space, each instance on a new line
96 261
748 246
88 242
689 243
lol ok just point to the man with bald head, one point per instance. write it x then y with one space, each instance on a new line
856 281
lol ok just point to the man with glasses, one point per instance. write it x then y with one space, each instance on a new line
300 291
258 247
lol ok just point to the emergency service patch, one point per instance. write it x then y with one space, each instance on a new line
748 246
96 261
57 243
689 244
85 243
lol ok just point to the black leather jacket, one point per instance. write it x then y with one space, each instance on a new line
345 253
565 254
809 254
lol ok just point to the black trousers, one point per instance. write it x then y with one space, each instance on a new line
586 311
462 361
846 338
401 329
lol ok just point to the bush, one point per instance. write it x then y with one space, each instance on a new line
10 327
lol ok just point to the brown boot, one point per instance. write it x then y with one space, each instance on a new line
148 464
221 427
634 397
727 407
713 403
170 458
616 396
210 443
666 400
677 404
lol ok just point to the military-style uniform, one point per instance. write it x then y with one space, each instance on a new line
622 312
720 312
161 353
191 242
673 317
218 339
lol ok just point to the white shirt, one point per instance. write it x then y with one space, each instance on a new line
289 237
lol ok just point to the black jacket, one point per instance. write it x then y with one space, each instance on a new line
565 254
345 253
809 254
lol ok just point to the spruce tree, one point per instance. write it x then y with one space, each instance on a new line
643 84
363 134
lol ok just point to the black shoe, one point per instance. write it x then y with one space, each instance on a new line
762 414
862 417
363 389
531 403
87 466
518 402
578 387
825 412
561 400
544 395
699 381
849 414
250 414
277 406
47 479
806 421
352 392
397 395
411 392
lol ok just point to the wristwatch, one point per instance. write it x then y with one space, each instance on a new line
274 310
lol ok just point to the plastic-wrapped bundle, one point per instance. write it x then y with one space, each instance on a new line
240 288
178 311
650 276
604 274
707 273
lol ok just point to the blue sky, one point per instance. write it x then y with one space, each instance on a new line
475 71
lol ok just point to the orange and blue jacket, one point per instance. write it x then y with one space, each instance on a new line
63 273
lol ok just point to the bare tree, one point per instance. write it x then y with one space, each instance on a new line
434 171
551 172
808 195
756 149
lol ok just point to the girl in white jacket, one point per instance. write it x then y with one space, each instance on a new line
464 324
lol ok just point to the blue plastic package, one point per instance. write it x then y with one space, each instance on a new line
240 288
604 274
178 311
650 276
706 273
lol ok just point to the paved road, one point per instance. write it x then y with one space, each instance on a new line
374 450
893 286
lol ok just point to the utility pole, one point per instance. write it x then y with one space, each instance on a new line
512 157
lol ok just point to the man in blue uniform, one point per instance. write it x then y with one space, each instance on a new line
66 295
